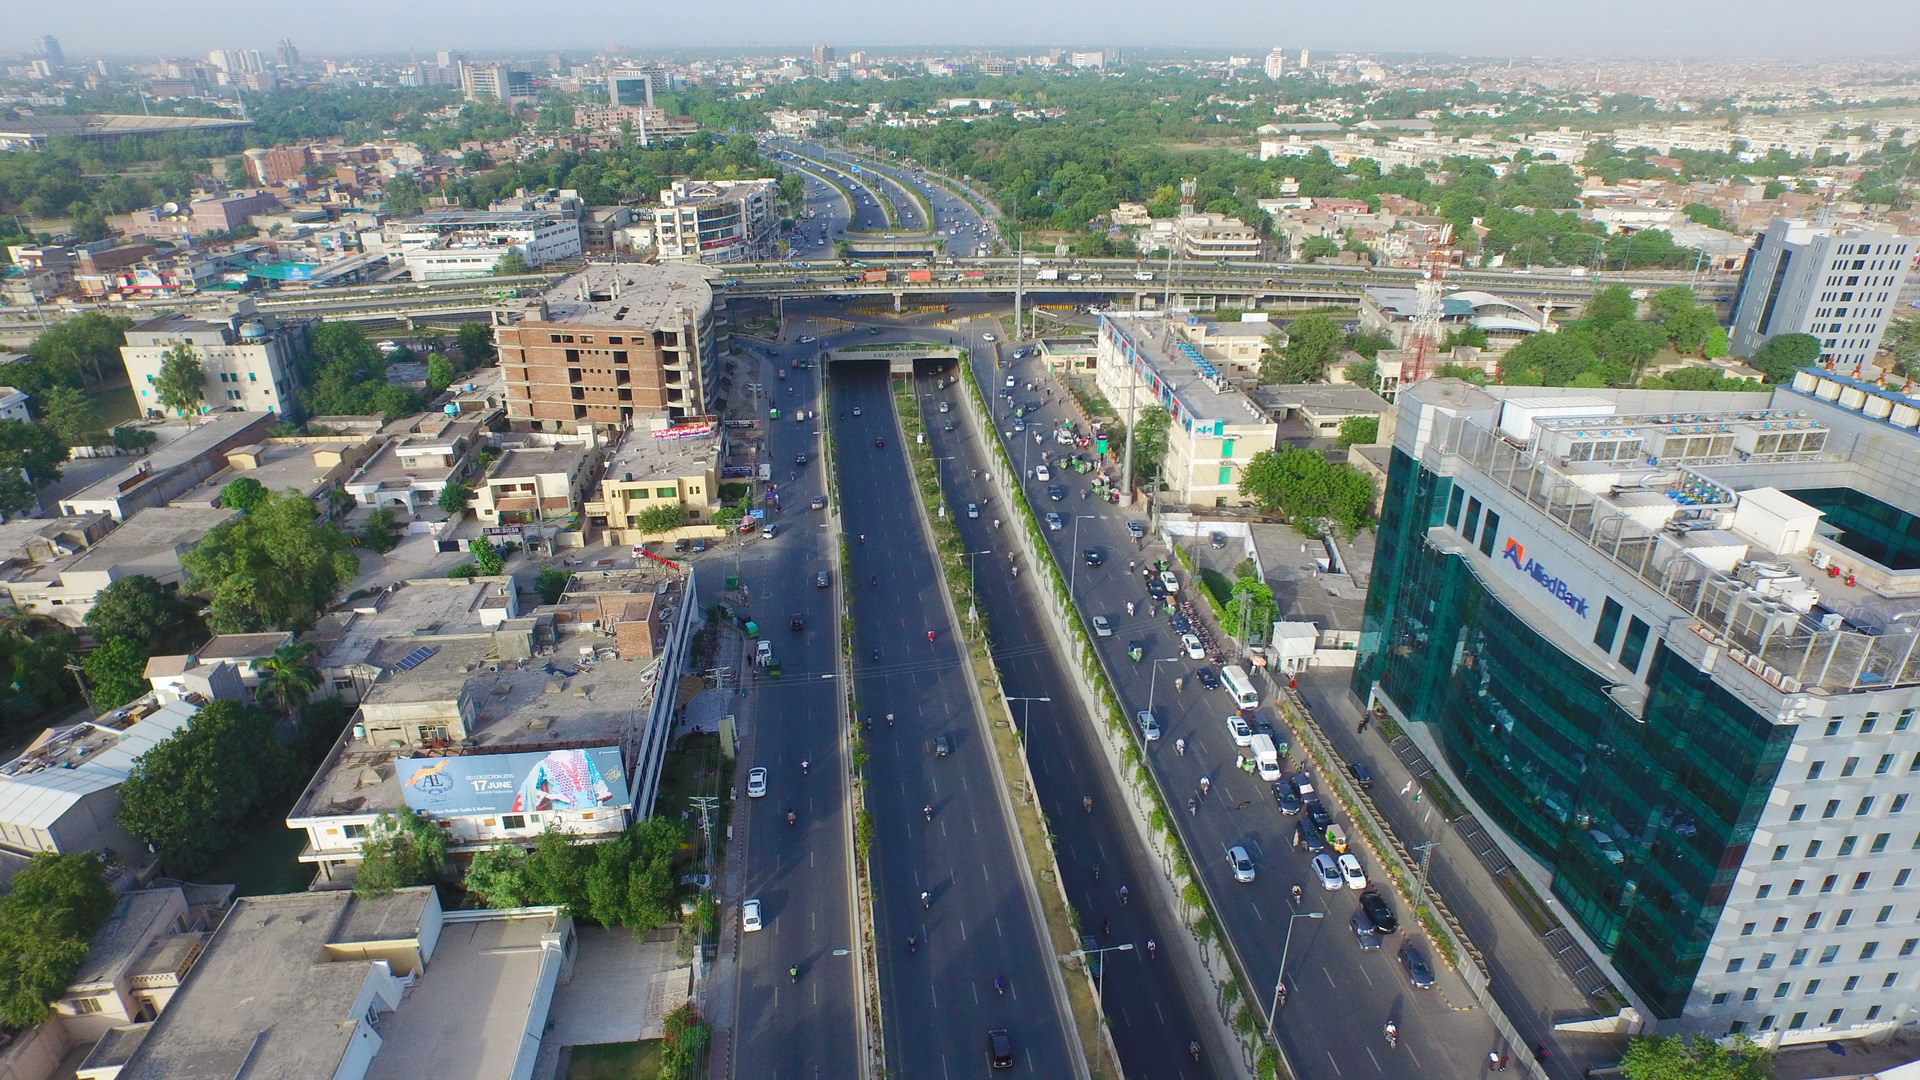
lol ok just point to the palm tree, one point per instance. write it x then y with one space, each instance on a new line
288 677
18 622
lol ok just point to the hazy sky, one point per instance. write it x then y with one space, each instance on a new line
1484 27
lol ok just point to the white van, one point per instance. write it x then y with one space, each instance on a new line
1233 679
1266 757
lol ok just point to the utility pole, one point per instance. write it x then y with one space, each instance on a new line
705 805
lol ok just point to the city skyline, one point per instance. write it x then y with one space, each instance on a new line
1644 28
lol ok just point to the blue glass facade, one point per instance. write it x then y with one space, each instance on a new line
1643 824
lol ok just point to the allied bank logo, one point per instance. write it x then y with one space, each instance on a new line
1516 553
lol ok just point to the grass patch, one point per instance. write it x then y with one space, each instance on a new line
615 1061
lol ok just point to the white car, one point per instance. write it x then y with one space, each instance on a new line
1242 864
757 780
856 410
750 916
1042 473
1101 627
1242 734
1172 583
1149 727
1009 383
1327 871
806 339
988 337
1350 871
1192 645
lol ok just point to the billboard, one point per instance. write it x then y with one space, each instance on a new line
531 783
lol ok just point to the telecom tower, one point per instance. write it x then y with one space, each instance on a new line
1423 340
1188 186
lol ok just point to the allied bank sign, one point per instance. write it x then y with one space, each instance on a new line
1516 553
524 783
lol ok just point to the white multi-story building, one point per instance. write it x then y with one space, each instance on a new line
251 361
470 243
1839 286
718 221
1661 641
1276 63
1188 369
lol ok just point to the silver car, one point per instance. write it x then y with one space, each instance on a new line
1328 872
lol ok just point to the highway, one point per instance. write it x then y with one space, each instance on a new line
1339 996
799 873
1154 1011
978 920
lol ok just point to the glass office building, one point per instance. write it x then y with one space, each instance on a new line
1670 682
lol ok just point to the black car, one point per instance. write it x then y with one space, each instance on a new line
1418 973
878 443
1155 589
797 622
1310 838
823 579
1207 678
1379 912
1056 492
681 545
1285 799
1180 623
1361 774
1317 813
1094 556
1000 1048
948 426
799 459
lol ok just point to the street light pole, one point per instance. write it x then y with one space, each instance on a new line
1280 978
1100 977
1073 563
1153 678
973 585
1026 723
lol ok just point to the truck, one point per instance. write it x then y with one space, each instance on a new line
1266 756
1046 275
873 275
919 275
972 274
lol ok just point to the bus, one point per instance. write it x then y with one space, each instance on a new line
1233 679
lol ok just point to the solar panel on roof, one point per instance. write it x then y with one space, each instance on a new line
415 658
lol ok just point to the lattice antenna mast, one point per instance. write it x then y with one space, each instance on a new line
1423 340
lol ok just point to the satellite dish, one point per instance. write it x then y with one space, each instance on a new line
170 208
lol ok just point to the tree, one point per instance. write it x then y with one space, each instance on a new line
243 494
30 457
439 373
203 786
1150 441
69 412
1613 304
1548 360
727 517
91 341
1359 430
381 533
487 558
118 672
401 850
347 376
404 197
1702 214
1318 247
287 676
138 608
475 341
1674 1057
512 264
1472 336
1363 373
550 583
453 498
1902 339
182 383
272 569
48 918
1313 344
1778 358
1311 491
663 518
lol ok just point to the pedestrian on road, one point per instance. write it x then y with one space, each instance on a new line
1240 761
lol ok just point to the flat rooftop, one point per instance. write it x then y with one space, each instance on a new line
423 607
151 537
1322 398
262 1001
473 218
282 466
634 296
100 125
642 456
1182 370
465 1015
204 435
518 705
523 461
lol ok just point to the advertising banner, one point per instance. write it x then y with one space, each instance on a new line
530 783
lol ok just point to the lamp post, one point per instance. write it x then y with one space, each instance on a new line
1100 977
1073 565
1154 677
973 585
1280 978
1026 707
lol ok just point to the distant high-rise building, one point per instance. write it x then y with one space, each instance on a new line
289 56
634 86
495 82
50 48
1094 59
1838 285
1276 64
42 69
447 58
1304 60
822 60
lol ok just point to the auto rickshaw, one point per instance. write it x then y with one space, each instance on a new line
773 414
1337 839
1135 651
